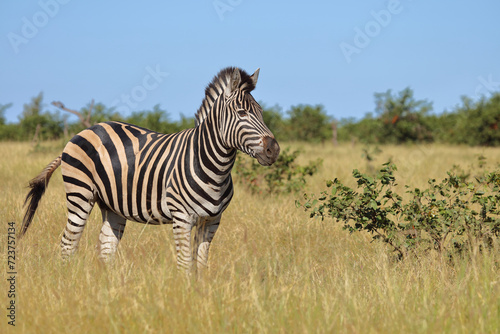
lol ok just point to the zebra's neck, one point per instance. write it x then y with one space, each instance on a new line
212 153
212 92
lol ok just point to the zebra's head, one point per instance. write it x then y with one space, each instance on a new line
242 124
229 102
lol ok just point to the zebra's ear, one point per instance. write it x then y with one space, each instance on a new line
254 77
234 82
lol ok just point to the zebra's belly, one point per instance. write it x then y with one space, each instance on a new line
195 217
147 219
148 213
160 212
152 222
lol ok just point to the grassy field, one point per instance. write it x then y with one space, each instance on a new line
271 269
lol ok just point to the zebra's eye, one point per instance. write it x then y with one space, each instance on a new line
242 113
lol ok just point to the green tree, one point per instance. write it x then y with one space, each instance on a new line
185 123
3 108
151 119
309 123
101 113
7 131
365 130
477 122
273 117
51 124
158 120
403 118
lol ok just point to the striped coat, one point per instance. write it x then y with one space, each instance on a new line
184 179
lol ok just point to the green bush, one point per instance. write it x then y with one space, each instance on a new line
284 176
450 216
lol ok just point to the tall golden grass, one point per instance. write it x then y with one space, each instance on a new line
271 268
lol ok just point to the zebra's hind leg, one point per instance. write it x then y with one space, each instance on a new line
112 230
79 208
205 232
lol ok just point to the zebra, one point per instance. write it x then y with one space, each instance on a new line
183 179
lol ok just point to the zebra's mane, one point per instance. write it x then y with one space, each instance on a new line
217 87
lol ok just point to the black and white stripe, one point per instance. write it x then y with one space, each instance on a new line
140 175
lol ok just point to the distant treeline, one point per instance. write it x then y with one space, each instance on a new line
397 119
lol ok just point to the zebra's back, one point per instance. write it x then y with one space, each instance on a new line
123 165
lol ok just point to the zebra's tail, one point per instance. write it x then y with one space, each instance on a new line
37 185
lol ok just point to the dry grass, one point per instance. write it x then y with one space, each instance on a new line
272 270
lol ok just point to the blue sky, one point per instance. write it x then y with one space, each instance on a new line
133 55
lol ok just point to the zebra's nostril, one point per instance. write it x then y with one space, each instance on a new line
271 147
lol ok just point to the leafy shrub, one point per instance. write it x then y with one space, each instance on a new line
450 216
284 176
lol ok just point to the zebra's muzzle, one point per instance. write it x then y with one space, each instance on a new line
270 152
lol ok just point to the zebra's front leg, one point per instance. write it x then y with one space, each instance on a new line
112 230
205 232
182 226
